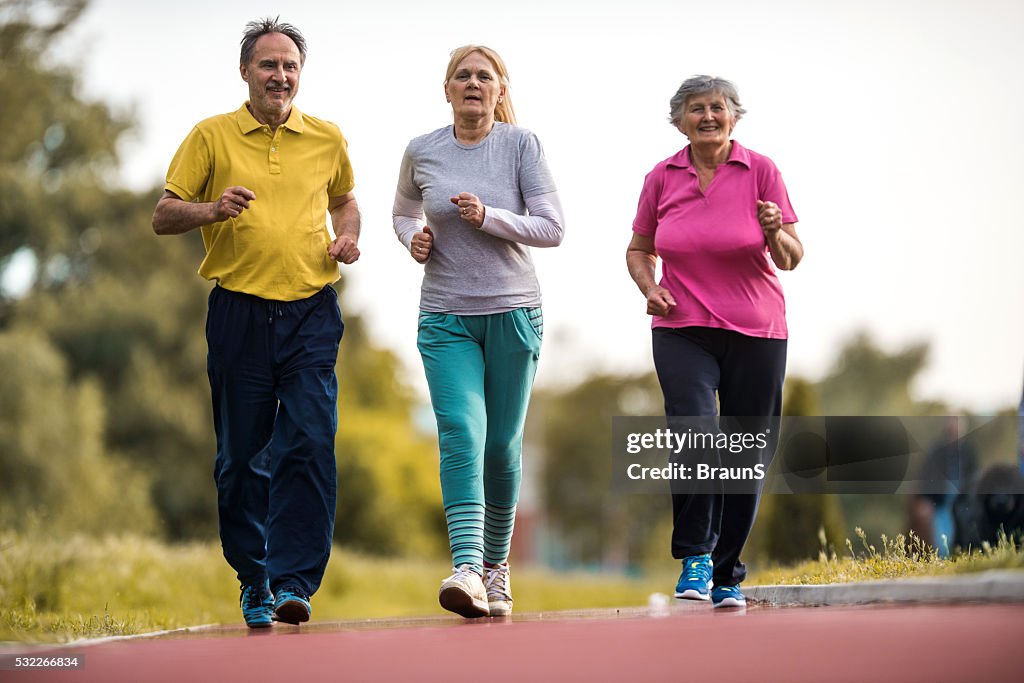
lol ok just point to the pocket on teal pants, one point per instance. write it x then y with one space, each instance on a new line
430 319
536 319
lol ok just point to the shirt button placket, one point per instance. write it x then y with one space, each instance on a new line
274 155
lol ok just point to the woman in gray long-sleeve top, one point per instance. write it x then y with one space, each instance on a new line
487 195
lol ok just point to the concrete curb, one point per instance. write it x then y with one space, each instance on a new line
13 646
990 586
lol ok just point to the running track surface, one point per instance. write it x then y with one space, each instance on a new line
930 644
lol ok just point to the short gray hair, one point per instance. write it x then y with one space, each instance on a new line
701 85
254 30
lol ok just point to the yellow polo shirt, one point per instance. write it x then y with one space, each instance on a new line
277 248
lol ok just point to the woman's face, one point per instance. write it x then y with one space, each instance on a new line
707 120
474 89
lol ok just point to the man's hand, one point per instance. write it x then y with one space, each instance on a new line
345 218
174 216
233 201
344 250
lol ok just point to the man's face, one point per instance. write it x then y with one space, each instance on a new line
273 77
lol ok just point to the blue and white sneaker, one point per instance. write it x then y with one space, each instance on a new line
728 596
257 604
291 606
695 580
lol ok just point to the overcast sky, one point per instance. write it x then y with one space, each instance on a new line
896 126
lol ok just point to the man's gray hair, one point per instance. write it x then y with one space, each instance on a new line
255 29
701 85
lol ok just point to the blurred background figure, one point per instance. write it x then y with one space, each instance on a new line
949 468
992 507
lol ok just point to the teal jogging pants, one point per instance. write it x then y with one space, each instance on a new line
480 371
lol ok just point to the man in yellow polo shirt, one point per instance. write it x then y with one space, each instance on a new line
259 183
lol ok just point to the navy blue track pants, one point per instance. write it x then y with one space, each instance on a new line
275 409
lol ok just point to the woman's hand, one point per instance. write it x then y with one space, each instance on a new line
422 244
471 209
783 243
769 215
659 301
641 258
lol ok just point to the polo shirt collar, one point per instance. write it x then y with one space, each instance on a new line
738 154
247 123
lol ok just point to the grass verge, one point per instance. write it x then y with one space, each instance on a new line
897 557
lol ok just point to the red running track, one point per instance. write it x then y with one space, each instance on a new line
930 644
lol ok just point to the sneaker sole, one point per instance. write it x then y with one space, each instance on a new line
462 603
500 608
731 602
291 612
692 595
260 624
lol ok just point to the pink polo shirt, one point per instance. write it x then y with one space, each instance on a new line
715 261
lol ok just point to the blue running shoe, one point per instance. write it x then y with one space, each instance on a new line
728 596
291 606
695 581
257 605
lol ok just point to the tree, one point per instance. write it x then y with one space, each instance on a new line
53 170
56 476
789 526
389 495
867 380
130 319
595 526
57 468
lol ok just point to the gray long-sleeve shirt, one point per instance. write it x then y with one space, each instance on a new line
471 271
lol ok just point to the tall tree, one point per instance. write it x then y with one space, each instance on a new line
56 476
60 148
868 380
53 425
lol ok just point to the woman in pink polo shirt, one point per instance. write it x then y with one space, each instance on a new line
719 217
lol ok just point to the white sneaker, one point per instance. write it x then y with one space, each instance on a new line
499 590
463 593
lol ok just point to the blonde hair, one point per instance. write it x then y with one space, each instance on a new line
503 111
